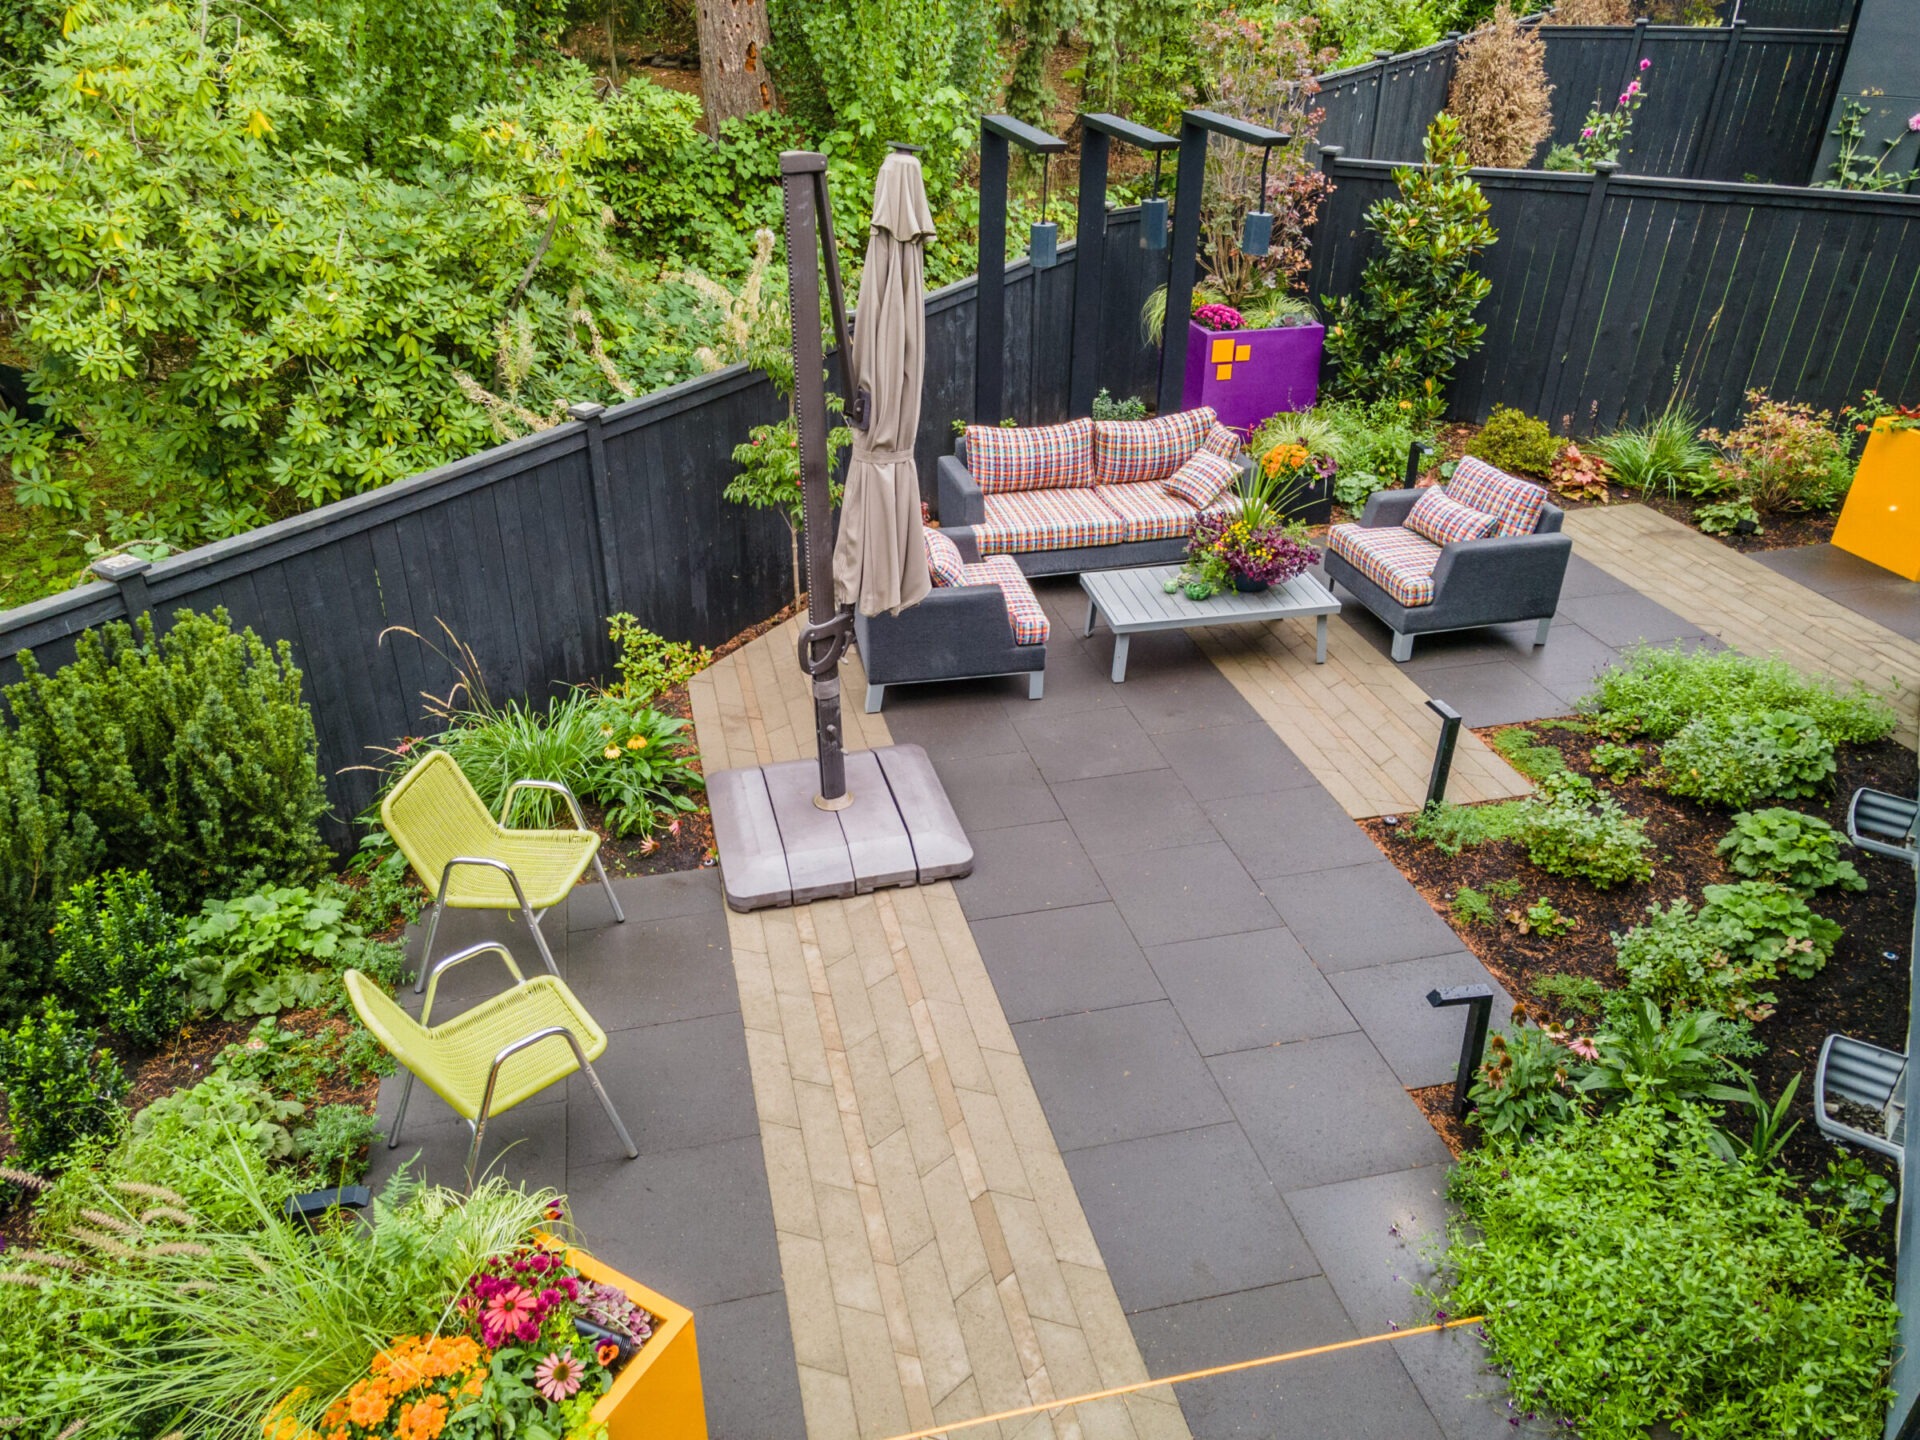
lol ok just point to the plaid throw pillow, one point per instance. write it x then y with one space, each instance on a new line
1222 441
944 564
1133 452
1202 480
1445 521
1030 457
1514 504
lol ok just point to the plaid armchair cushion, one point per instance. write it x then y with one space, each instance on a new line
1203 479
1394 558
944 564
1030 457
1129 452
1514 504
1222 441
1149 512
1445 521
1023 610
1046 520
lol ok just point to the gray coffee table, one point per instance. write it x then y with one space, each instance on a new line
1134 601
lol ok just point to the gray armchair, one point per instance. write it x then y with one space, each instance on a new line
959 632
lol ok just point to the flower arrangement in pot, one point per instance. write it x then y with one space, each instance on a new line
1215 316
1250 545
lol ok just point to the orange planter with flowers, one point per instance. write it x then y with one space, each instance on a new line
1881 520
658 1395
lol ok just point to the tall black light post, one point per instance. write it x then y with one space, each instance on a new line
997 132
1096 133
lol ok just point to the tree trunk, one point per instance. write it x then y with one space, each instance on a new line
733 66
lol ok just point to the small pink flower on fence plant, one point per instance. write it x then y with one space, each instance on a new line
1913 122
1646 64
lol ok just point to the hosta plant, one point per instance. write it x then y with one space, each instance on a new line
1798 850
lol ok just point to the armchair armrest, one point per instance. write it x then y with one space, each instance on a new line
573 804
959 499
447 962
524 1042
1489 582
1388 507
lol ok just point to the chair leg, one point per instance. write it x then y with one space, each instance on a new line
1036 684
400 1114
1540 635
619 915
876 695
1402 647
473 1150
426 950
533 924
600 1094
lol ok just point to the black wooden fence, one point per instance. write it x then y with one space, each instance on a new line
524 549
1612 294
1723 102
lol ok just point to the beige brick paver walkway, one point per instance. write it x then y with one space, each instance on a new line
1745 605
937 1262
1358 722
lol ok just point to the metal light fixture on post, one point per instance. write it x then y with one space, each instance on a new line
990 325
1256 232
1043 236
1097 134
1153 213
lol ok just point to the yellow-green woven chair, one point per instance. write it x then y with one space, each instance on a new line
492 1057
470 861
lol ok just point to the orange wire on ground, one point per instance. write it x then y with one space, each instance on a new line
1206 1374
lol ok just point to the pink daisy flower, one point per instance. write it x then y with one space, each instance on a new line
558 1376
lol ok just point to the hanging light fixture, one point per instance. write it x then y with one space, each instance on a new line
1043 236
1256 233
1153 214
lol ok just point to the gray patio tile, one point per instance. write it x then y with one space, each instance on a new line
652 897
1624 619
747 1370
1233 760
1899 611
1076 681
1827 568
1289 832
1081 744
1323 1110
1059 962
964 717
1472 647
1236 992
1422 1044
696 1224
1119 1074
483 976
1184 894
1352 1395
1029 867
1585 578
1360 915
649 972
1125 814
1176 699
1186 1215
1495 693
994 792
676 1085
1567 663
527 1144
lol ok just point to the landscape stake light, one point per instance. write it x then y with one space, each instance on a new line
1442 751
1473 1044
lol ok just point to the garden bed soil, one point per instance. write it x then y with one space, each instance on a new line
1861 992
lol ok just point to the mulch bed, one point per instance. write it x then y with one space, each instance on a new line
1862 992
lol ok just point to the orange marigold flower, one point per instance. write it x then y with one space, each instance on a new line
368 1407
423 1419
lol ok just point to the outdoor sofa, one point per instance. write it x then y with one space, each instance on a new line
1485 550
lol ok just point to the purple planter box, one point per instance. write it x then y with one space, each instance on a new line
1247 375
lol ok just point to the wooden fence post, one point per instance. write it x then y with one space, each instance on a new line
1703 144
1574 292
1329 157
1380 58
1452 38
129 574
588 413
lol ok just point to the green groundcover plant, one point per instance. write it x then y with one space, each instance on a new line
1631 1277
1654 692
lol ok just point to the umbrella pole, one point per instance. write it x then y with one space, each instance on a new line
823 640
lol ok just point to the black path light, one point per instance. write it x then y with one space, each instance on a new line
990 328
1256 232
1153 211
1043 236
1195 128
1097 132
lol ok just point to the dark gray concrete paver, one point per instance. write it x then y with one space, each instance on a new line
747 1397
1390 1002
1082 744
1184 894
1496 692
1880 595
660 1116
527 1144
1240 759
1060 962
1627 618
1362 1394
1360 915
655 897
1187 1215
1237 992
1323 1110
1030 867
1125 814
964 717
1567 664
1289 833
996 792
1119 1074
1076 681
1180 700
1586 578
647 972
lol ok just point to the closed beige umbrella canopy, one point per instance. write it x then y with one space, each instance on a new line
879 563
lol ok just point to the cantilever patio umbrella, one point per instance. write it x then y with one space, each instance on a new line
878 562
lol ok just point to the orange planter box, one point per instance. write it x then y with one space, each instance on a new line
1881 519
658 1395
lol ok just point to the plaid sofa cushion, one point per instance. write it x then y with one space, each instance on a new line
1202 480
1514 504
1030 457
1149 512
1046 520
944 564
1445 521
1223 441
1023 610
1127 452
1397 560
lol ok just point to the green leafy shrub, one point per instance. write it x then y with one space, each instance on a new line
277 949
1519 748
649 664
1725 517
1797 850
1771 924
1451 828
225 1104
1853 1195
1654 693
60 1084
1617 762
44 851
1581 994
1412 321
1668 1060
294 1063
1523 1085
1739 758
1664 454
1367 442
1632 1279
1782 456
1683 959
120 956
1127 407
1514 441
1569 828
333 1145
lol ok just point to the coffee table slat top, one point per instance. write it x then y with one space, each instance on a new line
1135 600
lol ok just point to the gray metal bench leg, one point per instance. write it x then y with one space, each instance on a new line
875 695
1036 684
1120 657
1540 634
1402 647
1320 640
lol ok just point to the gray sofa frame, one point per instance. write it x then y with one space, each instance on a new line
1476 583
959 632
